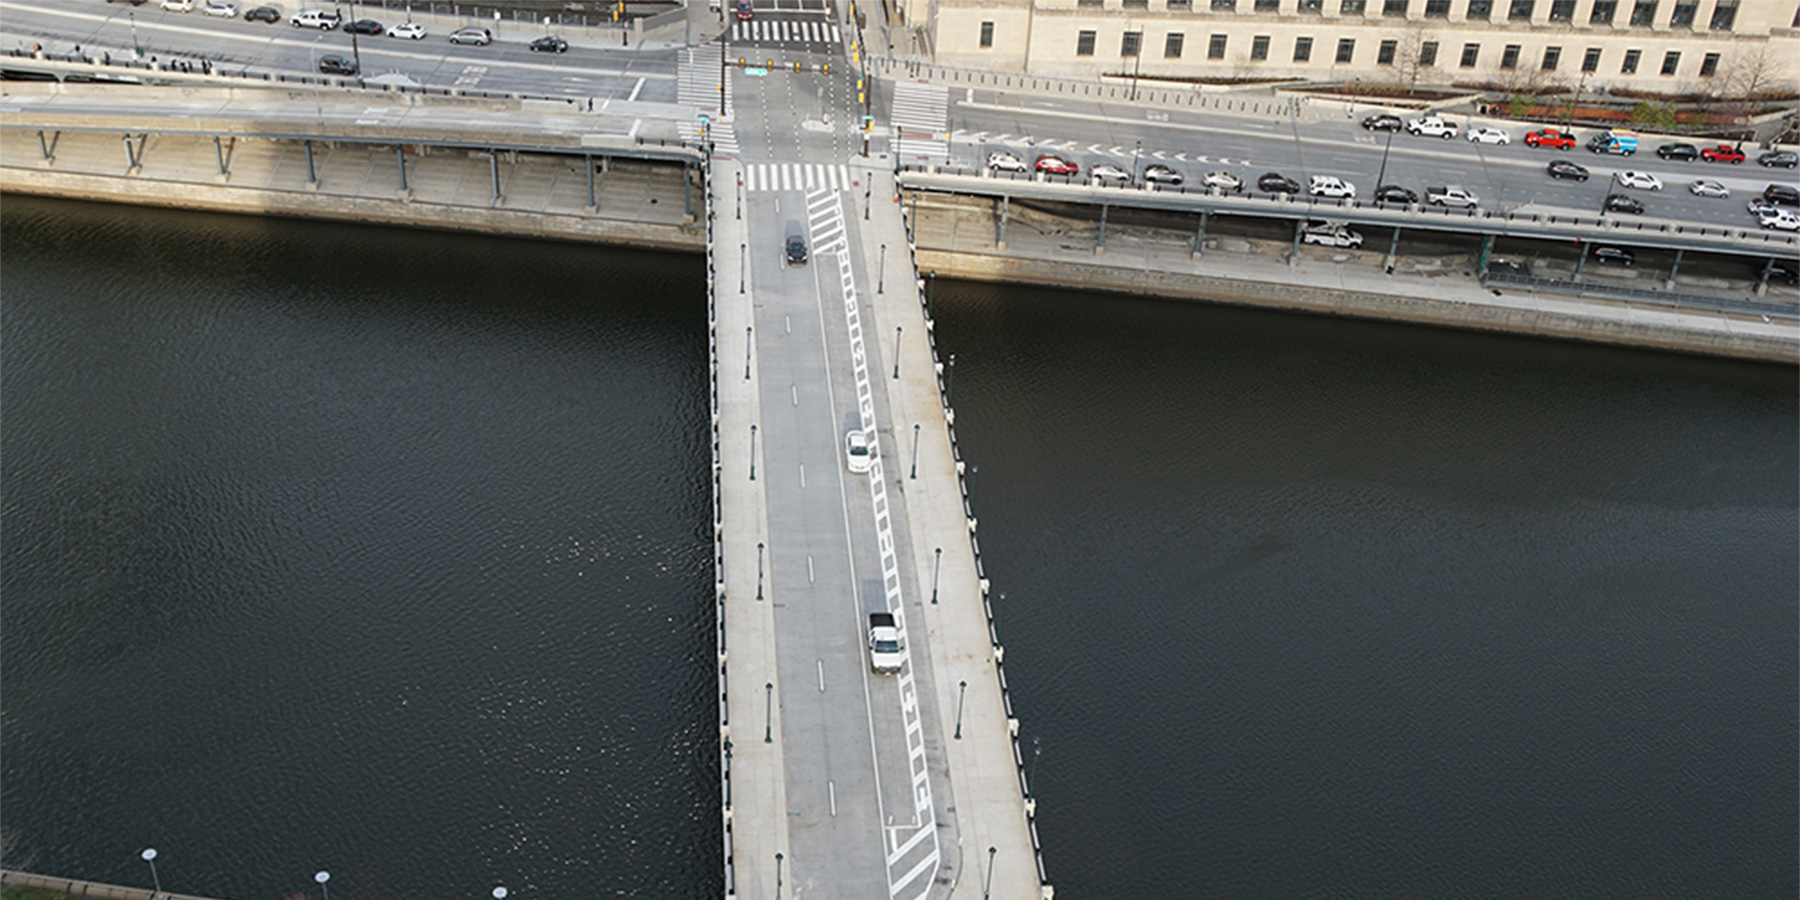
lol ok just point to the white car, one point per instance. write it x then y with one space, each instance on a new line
1005 162
1328 186
1330 236
322 19
411 30
1643 180
220 9
178 5
1708 188
1432 126
1224 181
1784 219
1107 172
856 451
1489 136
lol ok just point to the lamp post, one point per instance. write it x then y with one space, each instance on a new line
988 883
778 875
1136 150
896 350
759 570
1384 158
149 856
747 334
881 272
962 687
768 712
937 560
137 49
321 877
915 465
752 451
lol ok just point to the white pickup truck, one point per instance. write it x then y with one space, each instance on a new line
1432 126
1452 195
885 650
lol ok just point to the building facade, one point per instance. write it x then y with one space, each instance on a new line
1709 48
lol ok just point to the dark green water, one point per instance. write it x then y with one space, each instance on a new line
386 552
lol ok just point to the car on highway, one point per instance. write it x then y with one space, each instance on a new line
1723 153
549 43
1451 195
1781 195
220 9
1330 235
1108 173
1051 164
267 14
1382 122
480 37
1615 255
322 19
1785 274
1393 193
1549 137
1562 168
1624 204
744 11
886 652
1640 180
1785 159
1003 161
1704 187
412 30
1220 180
1160 174
1330 186
1277 183
1432 126
1757 206
1682 152
363 26
1783 219
180 6
856 451
1485 135
793 249
337 64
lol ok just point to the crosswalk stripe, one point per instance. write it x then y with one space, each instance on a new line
797 177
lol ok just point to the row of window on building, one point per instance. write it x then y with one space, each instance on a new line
1603 12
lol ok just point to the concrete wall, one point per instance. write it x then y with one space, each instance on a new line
71 887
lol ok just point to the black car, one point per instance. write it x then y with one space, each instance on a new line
549 44
1383 122
1277 183
1778 272
1781 195
1624 204
1683 152
1618 255
263 14
1562 168
1786 159
796 250
363 26
333 64
1393 193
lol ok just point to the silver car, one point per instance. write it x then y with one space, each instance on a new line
1705 187
480 37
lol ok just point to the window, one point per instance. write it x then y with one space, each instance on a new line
1521 10
1437 9
987 34
1603 12
1725 15
1172 45
1220 5
1346 49
1181 4
1471 53
1268 5
1629 66
1090 4
1084 44
1481 9
1552 56
1259 47
1311 6
1671 61
1137 4
1428 54
1352 7
1709 65
1643 12
1302 49
1509 58
1131 43
1591 61
1385 55
1562 10
1683 14
1394 8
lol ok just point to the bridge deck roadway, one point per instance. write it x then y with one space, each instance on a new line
862 786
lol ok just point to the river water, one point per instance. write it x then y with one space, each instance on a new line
386 552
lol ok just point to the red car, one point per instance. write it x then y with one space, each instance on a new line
743 11
1722 153
1550 137
1056 165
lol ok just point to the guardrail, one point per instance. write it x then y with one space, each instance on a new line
718 474
1647 296
1194 98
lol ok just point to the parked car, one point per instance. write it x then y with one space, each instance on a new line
1562 168
1615 255
1723 153
1785 274
1641 180
1486 135
1682 152
1223 181
267 14
549 43
1277 183
1549 137
1382 122
1393 193
363 26
322 19
1055 165
1004 161
1624 204
1107 172
1706 188
336 64
221 9
1785 159
1329 186
480 37
1330 235
1432 126
410 30
856 451
1160 174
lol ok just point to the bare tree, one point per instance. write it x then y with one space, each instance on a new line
1407 67
1752 75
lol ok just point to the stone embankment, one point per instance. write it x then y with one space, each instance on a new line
51 886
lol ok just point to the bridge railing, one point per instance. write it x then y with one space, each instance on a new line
718 474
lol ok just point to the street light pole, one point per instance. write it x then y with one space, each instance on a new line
896 350
988 883
752 451
962 687
321 877
759 570
149 856
1384 158
937 560
915 465
769 713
